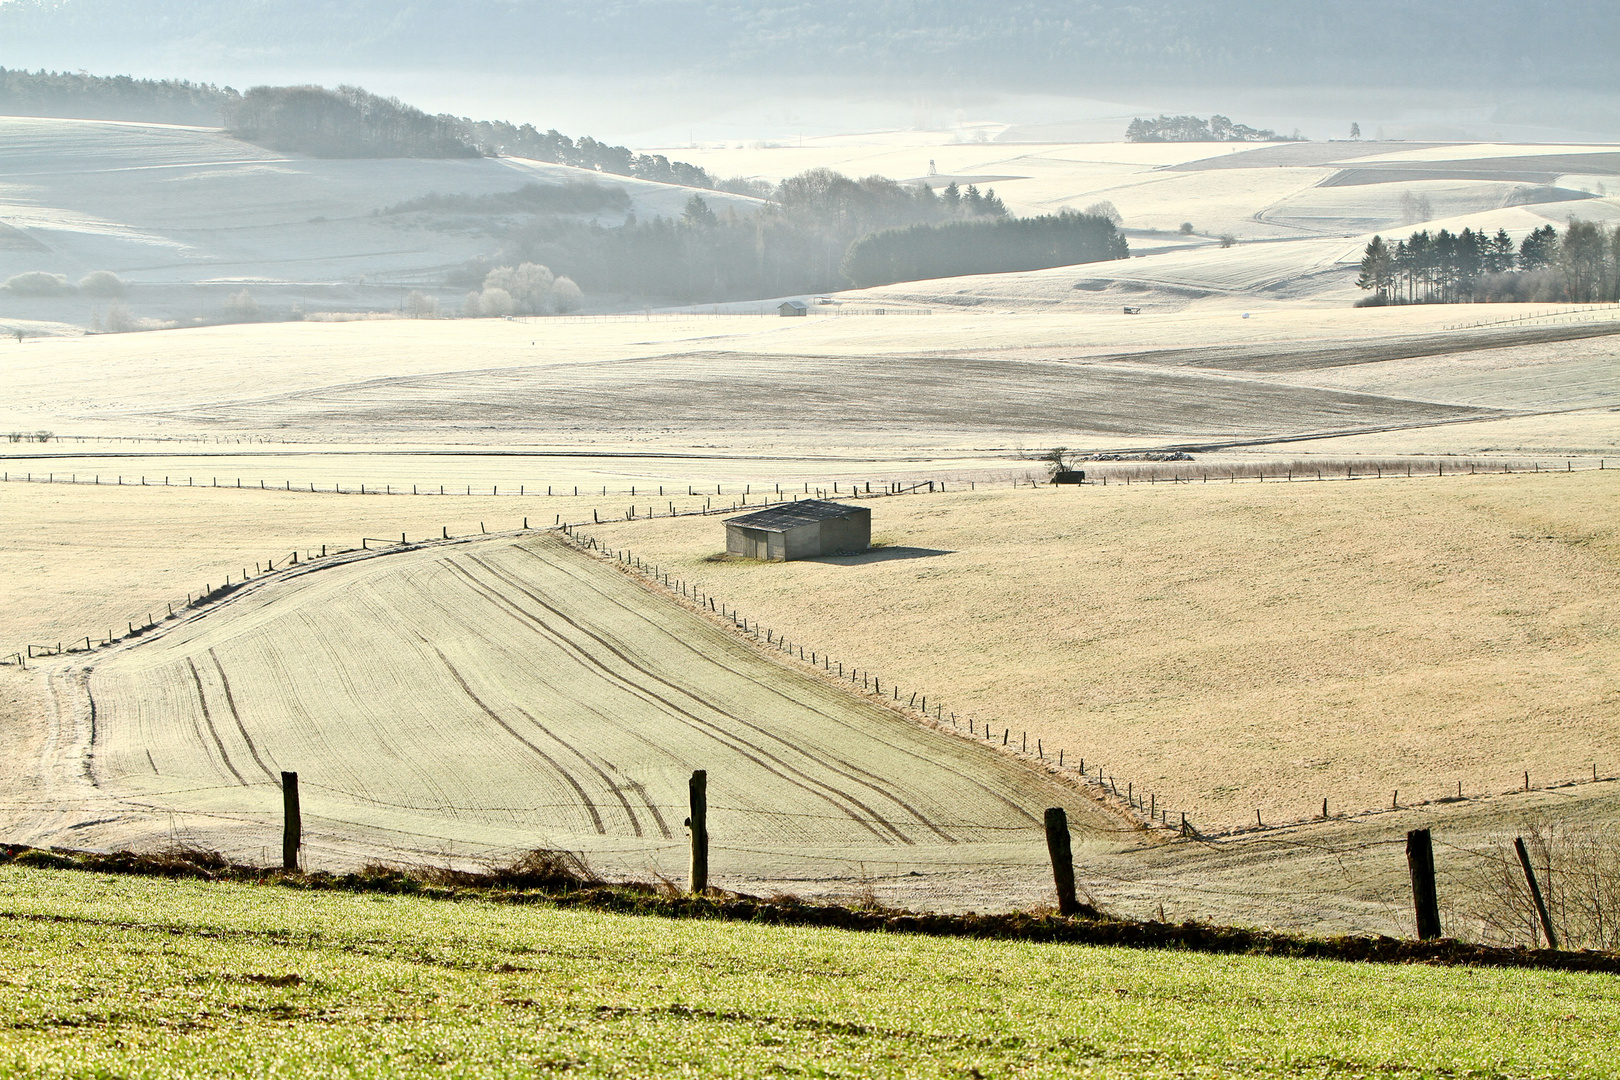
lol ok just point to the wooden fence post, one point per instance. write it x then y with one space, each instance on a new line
292 832
1420 861
1535 892
1057 845
699 824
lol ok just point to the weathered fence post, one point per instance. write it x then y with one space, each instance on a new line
292 832
1057 845
1535 892
1420 861
699 824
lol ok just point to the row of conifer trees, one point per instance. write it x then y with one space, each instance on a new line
1579 265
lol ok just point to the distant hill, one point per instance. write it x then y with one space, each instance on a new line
1047 45
117 97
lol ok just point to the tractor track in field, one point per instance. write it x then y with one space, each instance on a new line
753 751
840 689
621 689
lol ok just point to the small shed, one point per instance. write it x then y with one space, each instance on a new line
800 530
789 309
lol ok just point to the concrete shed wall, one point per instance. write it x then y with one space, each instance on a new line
853 533
803 542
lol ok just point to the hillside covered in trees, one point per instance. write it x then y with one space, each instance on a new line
1581 265
982 247
116 97
346 122
802 239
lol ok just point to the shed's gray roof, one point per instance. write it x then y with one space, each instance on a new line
785 516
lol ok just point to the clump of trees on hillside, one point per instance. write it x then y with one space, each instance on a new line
982 247
1196 129
38 283
526 289
797 242
117 97
344 123
350 122
1580 266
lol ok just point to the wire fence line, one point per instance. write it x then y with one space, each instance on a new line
1576 314
1144 806
1126 468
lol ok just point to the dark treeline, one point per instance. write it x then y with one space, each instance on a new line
500 139
1580 266
350 122
1196 129
344 123
982 247
117 97
796 242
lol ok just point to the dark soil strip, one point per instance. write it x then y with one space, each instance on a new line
520 885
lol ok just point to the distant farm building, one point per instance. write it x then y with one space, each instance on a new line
800 530
789 309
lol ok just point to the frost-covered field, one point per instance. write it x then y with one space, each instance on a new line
188 216
503 694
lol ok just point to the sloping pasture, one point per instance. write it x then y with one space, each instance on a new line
513 693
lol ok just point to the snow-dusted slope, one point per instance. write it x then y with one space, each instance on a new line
186 215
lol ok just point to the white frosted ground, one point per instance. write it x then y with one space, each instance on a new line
175 210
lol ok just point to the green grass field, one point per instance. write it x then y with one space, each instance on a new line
136 977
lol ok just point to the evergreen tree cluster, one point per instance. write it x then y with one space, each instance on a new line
117 97
796 243
1580 266
982 247
1196 129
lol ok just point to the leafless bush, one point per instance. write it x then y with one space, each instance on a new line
1106 209
419 305
1578 869
102 283
38 283
241 307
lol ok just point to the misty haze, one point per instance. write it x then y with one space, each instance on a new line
852 539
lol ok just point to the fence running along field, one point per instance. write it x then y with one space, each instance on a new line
1142 807
1124 470
1592 313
